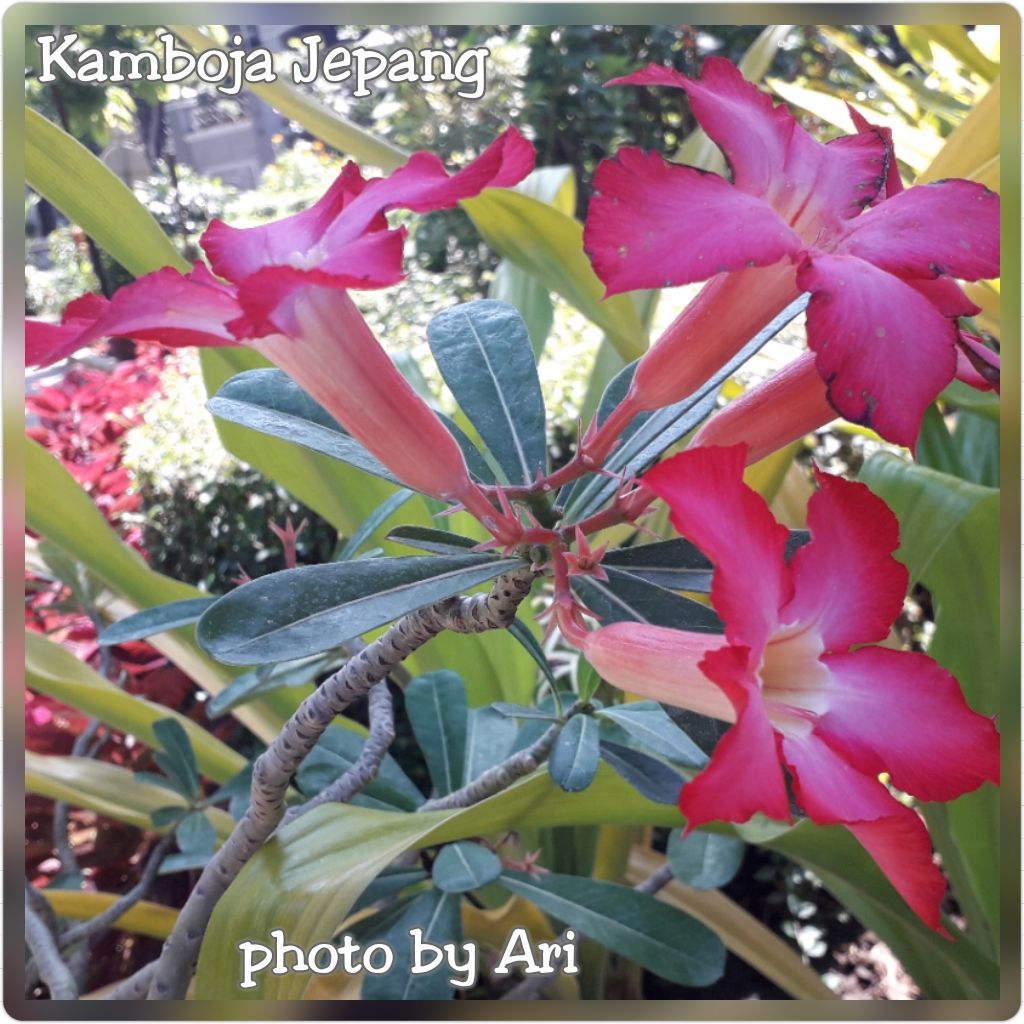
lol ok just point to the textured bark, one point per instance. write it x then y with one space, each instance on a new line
41 941
274 769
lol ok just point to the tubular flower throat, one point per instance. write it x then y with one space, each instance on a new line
799 697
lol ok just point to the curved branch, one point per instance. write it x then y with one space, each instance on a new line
274 769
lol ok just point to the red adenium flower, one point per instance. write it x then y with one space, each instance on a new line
281 287
786 675
882 317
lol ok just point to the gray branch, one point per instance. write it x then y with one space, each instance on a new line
367 764
274 769
101 922
136 985
501 776
52 970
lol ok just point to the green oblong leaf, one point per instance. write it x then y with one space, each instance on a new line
438 712
270 402
660 938
62 170
462 867
483 351
298 612
646 722
704 860
439 542
627 598
177 759
156 620
651 777
575 755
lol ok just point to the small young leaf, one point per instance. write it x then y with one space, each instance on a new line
649 726
483 351
439 542
163 816
176 862
575 755
704 860
437 915
298 612
650 777
438 711
177 760
195 835
461 867
155 620
587 679
640 928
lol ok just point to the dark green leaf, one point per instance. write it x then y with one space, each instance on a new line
270 402
484 354
574 757
525 636
153 779
647 724
475 461
297 612
177 759
437 916
524 711
489 738
439 542
654 780
167 815
703 731
369 525
438 712
653 934
250 685
627 598
461 867
195 835
336 752
389 883
704 860
651 434
155 620
176 862
674 564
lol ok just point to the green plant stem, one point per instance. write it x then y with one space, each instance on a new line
274 769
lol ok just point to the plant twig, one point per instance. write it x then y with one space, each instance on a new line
54 973
367 764
136 985
501 776
101 922
533 986
274 769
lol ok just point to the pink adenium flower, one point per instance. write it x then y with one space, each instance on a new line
882 317
792 675
281 287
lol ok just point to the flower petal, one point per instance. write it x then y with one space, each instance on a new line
354 207
771 156
893 182
846 580
946 227
903 713
976 363
882 348
833 792
165 306
711 505
653 224
659 663
743 776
